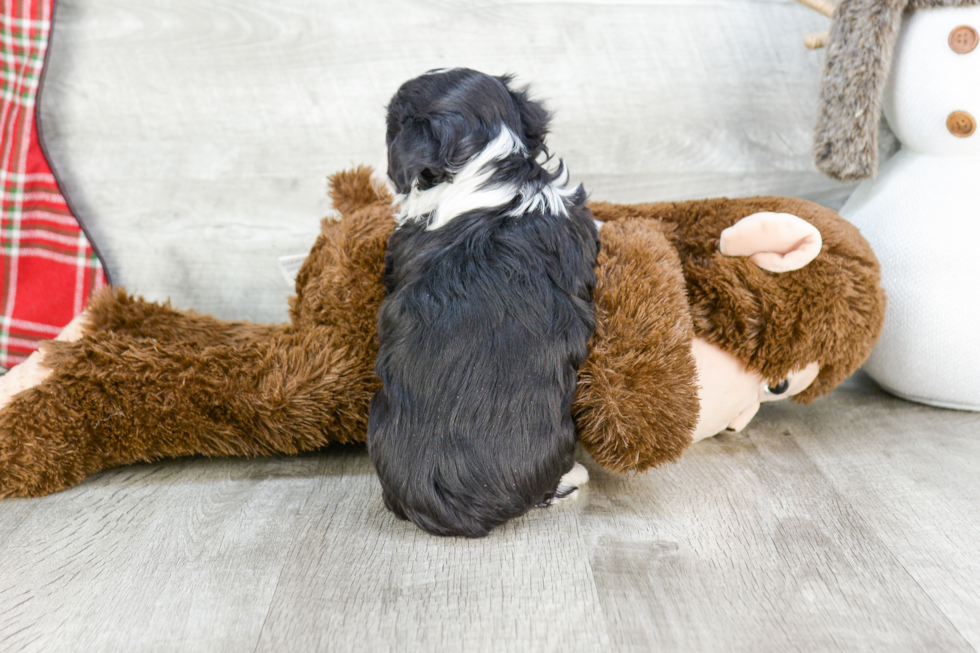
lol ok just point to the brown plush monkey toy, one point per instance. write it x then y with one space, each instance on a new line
704 309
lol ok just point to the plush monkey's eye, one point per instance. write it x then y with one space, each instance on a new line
779 388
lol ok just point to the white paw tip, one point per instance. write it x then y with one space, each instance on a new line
576 476
559 497
569 484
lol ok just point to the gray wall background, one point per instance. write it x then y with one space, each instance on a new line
195 136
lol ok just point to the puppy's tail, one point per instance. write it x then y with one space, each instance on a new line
436 513
473 510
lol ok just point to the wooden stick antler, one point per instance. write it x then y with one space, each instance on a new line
825 7
816 40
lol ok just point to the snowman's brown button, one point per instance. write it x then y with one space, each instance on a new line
963 39
961 124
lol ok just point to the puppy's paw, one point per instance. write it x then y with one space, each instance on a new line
570 483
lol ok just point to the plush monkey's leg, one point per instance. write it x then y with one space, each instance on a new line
112 399
26 375
32 372
111 309
147 382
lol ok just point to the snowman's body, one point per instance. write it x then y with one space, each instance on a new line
922 216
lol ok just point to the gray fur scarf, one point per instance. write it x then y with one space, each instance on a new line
859 55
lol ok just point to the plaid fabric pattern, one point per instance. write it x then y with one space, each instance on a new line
47 264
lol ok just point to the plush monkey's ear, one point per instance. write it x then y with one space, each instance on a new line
414 156
777 242
534 117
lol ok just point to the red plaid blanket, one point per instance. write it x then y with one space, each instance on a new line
48 265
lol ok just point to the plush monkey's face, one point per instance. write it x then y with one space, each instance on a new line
730 395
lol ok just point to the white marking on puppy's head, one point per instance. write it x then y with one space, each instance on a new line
460 141
469 189
552 197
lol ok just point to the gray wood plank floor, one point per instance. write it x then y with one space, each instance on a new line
851 524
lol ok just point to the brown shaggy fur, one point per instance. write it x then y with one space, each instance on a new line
636 403
859 55
830 311
148 382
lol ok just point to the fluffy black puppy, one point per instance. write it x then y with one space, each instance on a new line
488 315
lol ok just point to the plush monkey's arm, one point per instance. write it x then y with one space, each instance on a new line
636 404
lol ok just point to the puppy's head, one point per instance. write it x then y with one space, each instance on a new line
441 120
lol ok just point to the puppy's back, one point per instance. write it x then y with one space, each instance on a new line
481 335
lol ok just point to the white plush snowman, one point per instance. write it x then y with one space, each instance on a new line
921 214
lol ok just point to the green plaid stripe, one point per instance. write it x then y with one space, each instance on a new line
23 41
48 267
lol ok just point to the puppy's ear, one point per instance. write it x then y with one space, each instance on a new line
414 154
534 117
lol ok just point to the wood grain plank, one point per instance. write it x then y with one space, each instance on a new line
745 545
180 556
911 472
357 579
